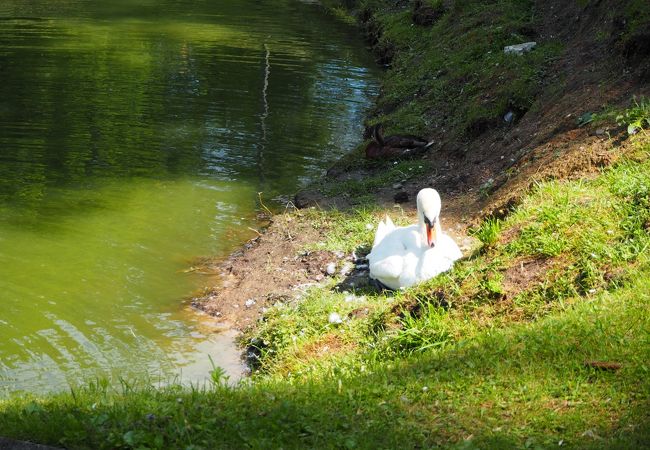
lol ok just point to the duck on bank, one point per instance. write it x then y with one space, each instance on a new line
394 146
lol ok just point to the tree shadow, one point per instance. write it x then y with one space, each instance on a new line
528 388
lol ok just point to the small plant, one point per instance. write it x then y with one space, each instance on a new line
218 374
493 285
424 332
488 232
637 117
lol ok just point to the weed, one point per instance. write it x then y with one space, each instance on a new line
422 332
218 375
488 232
636 117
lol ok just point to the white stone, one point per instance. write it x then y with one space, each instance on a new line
331 268
347 268
250 302
519 49
334 318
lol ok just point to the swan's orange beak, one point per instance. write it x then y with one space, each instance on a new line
431 236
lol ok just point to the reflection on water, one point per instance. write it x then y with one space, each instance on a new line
134 137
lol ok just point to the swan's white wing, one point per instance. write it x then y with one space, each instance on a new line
439 259
388 267
384 228
389 259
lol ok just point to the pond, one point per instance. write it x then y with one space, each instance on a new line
135 136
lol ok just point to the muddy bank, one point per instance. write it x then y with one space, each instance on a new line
270 268
277 266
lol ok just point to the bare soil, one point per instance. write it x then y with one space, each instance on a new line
271 268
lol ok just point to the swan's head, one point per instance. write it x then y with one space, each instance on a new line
428 202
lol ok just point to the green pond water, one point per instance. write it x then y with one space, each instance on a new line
134 138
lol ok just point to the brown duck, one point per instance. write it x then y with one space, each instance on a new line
395 146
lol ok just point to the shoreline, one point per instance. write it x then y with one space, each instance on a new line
479 176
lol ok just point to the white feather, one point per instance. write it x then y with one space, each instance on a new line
385 227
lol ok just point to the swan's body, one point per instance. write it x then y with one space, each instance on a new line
405 256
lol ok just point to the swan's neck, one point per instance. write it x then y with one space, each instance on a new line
423 230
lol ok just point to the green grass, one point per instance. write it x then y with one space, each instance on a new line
467 360
525 386
347 231
388 172
488 232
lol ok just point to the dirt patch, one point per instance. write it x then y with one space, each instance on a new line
330 344
524 274
270 268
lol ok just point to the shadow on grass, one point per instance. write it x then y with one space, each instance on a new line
525 387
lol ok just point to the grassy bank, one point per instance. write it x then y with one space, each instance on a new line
448 75
539 338
471 359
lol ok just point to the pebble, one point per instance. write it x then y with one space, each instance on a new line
330 269
519 49
346 269
509 117
334 318
397 186
339 254
361 267
250 302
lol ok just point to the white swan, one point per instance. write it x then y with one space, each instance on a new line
404 256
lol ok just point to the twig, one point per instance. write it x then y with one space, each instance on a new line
604 365
268 211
